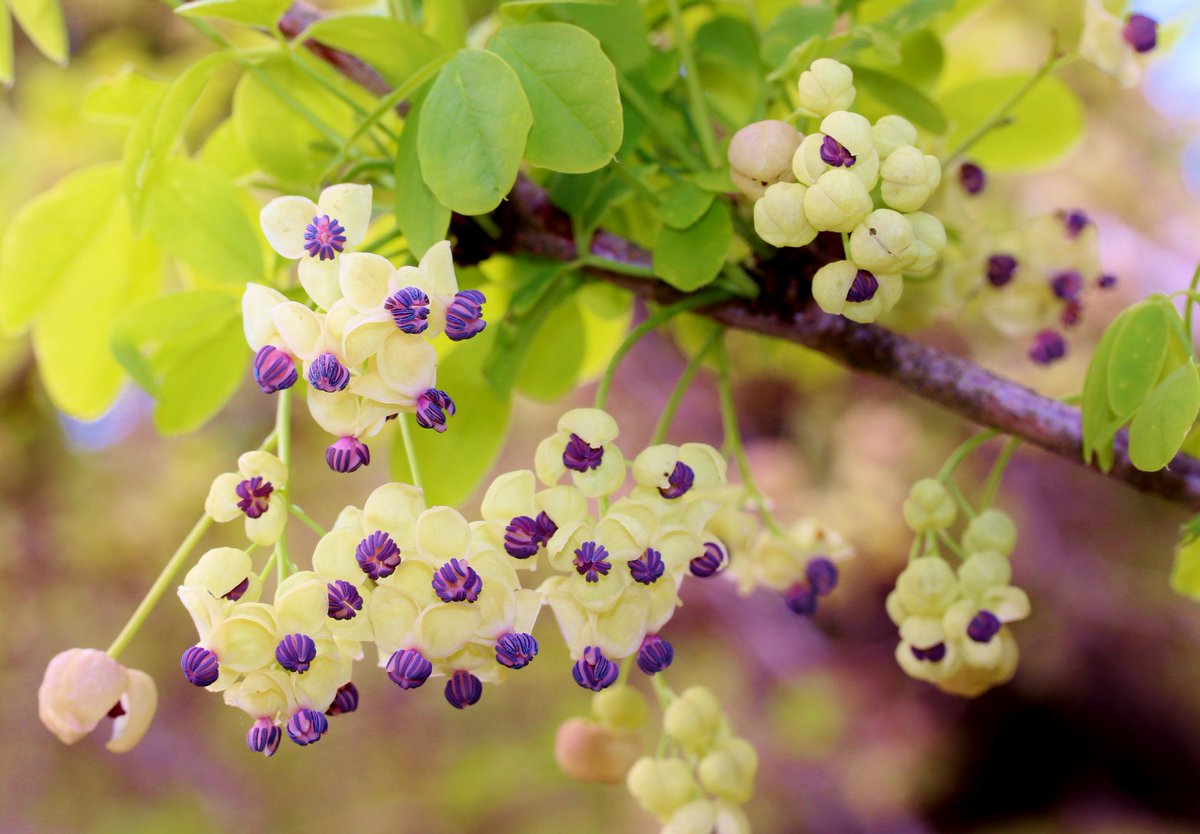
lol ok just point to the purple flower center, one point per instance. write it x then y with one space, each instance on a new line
1000 269
463 689
655 654
324 238
237 591
1140 32
863 288
801 599
834 153
1048 346
579 456
456 581
934 654
274 370
377 555
983 627
200 666
464 316
296 652
594 671
410 310
254 495
590 561
648 567
408 668
327 374
679 481
347 454
524 535
307 726
708 562
971 178
516 650
1075 221
344 600
264 737
1067 284
822 575
432 409
346 700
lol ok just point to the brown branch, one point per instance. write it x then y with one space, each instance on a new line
531 225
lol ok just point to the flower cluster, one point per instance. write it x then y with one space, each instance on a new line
1116 45
953 623
803 566
824 182
365 351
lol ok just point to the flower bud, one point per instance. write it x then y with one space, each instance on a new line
929 506
827 85
990 530
591 752
882 242
620 708
892 132
927 586
841 288
837 202
983 570
728 773
909 178
693 719
779 216
82 686
929 241
660 785
760 155
851 130
696 817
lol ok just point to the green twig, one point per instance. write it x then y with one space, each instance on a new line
283 429
992 484
964 449
410 452
307 520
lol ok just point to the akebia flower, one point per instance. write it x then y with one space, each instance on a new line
760 155
253 492
841 288
594 671
827 85
318 233
909 178
584 447
81 687
1117 47
779 216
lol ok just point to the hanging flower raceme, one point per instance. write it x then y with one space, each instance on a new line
82 687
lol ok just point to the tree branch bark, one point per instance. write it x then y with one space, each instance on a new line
531 225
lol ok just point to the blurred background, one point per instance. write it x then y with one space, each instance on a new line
1099 732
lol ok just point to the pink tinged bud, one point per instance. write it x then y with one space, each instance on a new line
463 689
347 454
324 238
264 737
83 686
590 752
1140 32
274 370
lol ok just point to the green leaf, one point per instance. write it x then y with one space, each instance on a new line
620 28
6 47
195 213
223 151
447 22
1137 356
683 204
42 21
902 97
1162 423
555 356
396 49
727 60
472 133
423 220
1043 126
793 26
572 91
265 13
509 4
121 97
690 258
1100 424
1185 572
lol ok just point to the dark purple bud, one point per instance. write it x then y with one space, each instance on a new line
655 654
1074 221
324 238
1048 346
594 671
516 650
934 654
346 700
679 481
344 600
1000 269
464 316
237 591
377 555
200 666
1067 284
822 575
579 456
307 726
274 370
709 562
1106 282
296 652
264 737
971 178
590 561
522 537
409 308
1140 32
648 567
254 496
1072 311
432 409
983 627
801 599
834 153
863 288
456 581
347 454
463 689
327 374
408 668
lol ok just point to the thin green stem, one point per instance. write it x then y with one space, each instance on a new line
964 449
682 386
657 125
381 241
632 270
283 429
992 484
307 520
691 302
662 691
489 226
960 499
1187 310
262 575
945 539
635 182
298 61
410 452
691 80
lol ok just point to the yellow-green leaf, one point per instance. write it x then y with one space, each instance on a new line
1164 419
1137 356
42 21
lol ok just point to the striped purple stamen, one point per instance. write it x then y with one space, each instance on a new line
591 561
648 567
324 238
409 309
655 654
934 654
801 599
1048 346
579 456
456 581
463 689
344 701
524 535
432 409
1000 269
200 666
834 153
264 737
863 288
679 481
464 315
327 374
709 562
296 652
274 370
408 668
1067 284
344 600
983 627
516 650
377 555
347 454
971 178
254 495
237 591
1140 32
594 671
822 575
307 726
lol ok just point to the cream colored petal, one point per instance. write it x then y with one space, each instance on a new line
268 527
222 502
620 631
394 508
316 687
337 413
350 205
257 303
564 504
606 478
245 641
528 604
205 609
595 426
320 280
139 702
364 336
334 557
219 571
509 496
284 221
445 628
365 279
1008 603
337 321
78 689
300 328
708 464
262 694
547 460
407 364
442 534
438 264
265 465
302 604
372 386
393 616
654 465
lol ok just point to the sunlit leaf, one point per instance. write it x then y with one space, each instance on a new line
1164 419
690 258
